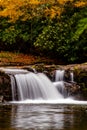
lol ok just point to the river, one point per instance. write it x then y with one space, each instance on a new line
43 117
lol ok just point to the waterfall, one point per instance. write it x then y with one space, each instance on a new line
13 87
59 82
35 86
61 88
72 77
59 75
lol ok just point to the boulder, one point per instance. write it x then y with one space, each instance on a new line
72 88
5 87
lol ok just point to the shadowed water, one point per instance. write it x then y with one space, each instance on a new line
43 117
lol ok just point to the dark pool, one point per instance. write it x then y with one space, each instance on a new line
43 117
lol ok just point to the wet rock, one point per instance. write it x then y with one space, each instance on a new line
67 75
1 99
81 78
39 67
5 87
72 88
31 69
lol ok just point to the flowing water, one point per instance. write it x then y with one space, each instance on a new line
41 104
35 86
59 75
43 117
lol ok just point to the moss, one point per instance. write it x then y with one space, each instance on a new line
81 79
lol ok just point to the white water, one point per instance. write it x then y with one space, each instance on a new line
72 77
59 101
13 87
14 71
61 88
59 82
38 89
35 86
59 75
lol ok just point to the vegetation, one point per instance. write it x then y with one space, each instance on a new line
20 59
54 28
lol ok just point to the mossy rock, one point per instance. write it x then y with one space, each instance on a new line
81 79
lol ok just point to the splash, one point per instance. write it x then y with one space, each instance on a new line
37 88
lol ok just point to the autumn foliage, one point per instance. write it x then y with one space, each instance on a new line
49 27
26 9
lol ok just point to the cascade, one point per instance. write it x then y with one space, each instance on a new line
61 88
13 87
59 82
72 77
15 71
59 76
34 86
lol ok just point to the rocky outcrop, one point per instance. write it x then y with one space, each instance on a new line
81 79
72 88
5 87
80 76
78 86
1 99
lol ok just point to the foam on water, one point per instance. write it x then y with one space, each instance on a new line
38 89
59 101
15 71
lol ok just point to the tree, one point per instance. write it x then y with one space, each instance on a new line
58 38
54 26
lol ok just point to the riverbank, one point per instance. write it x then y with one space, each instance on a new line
20 59
41 64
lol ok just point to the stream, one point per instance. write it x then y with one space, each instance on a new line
15 116
40 104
